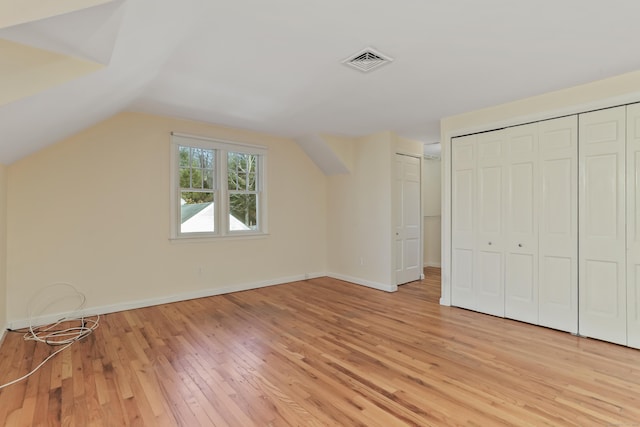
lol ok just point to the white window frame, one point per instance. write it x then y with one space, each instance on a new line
220 192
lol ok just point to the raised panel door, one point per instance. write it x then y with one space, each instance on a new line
521 225
633 225
463 221
408 219
489 236
602 235
558 225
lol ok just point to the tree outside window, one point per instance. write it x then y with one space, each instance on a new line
242 187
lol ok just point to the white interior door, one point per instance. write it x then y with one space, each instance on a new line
463 182
408 219
489 236
602 246
633 225
558 224
521 227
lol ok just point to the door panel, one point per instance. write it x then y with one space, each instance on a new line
521 247
490 273
602 262
463 201
408 219
520 287
489 236
490 200
601 301
463 221
557 195
601 173
558 225
633 225
522 198
556 273
462 291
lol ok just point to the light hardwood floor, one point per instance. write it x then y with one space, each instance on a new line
321 352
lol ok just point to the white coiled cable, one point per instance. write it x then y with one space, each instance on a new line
50 334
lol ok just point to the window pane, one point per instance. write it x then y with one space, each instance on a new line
207 179
184 156
251 181
242 212
241 171
202 158
185 177
196 178
232 171
197 212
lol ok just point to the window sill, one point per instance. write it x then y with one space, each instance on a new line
211 239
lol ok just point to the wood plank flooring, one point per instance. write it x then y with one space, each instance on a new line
316 353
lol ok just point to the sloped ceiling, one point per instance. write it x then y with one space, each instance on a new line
275 66
88 33
26 70
16 12
53 42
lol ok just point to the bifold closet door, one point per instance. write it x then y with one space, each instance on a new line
521 225
463 151
489 236
558 224
633 225
602 234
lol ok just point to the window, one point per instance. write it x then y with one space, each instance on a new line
217 188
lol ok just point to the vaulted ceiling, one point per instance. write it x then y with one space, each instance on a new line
275 66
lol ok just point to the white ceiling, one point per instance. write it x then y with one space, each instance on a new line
275 66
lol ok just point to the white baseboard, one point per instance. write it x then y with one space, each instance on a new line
362 282
130 305
112 308
433 264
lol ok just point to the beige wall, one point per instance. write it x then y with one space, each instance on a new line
93 211
407 146
3 246
359 214
343 147
600 94
360 210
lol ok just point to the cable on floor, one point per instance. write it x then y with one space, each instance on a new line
55 334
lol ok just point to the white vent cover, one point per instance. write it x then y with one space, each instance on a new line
366 60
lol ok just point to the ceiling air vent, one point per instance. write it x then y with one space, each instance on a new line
366 60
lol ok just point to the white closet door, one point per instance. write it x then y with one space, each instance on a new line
462 225
521 239
489 238
633 225
408 219
558 224
602 246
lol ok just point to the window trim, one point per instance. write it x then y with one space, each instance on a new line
222 147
